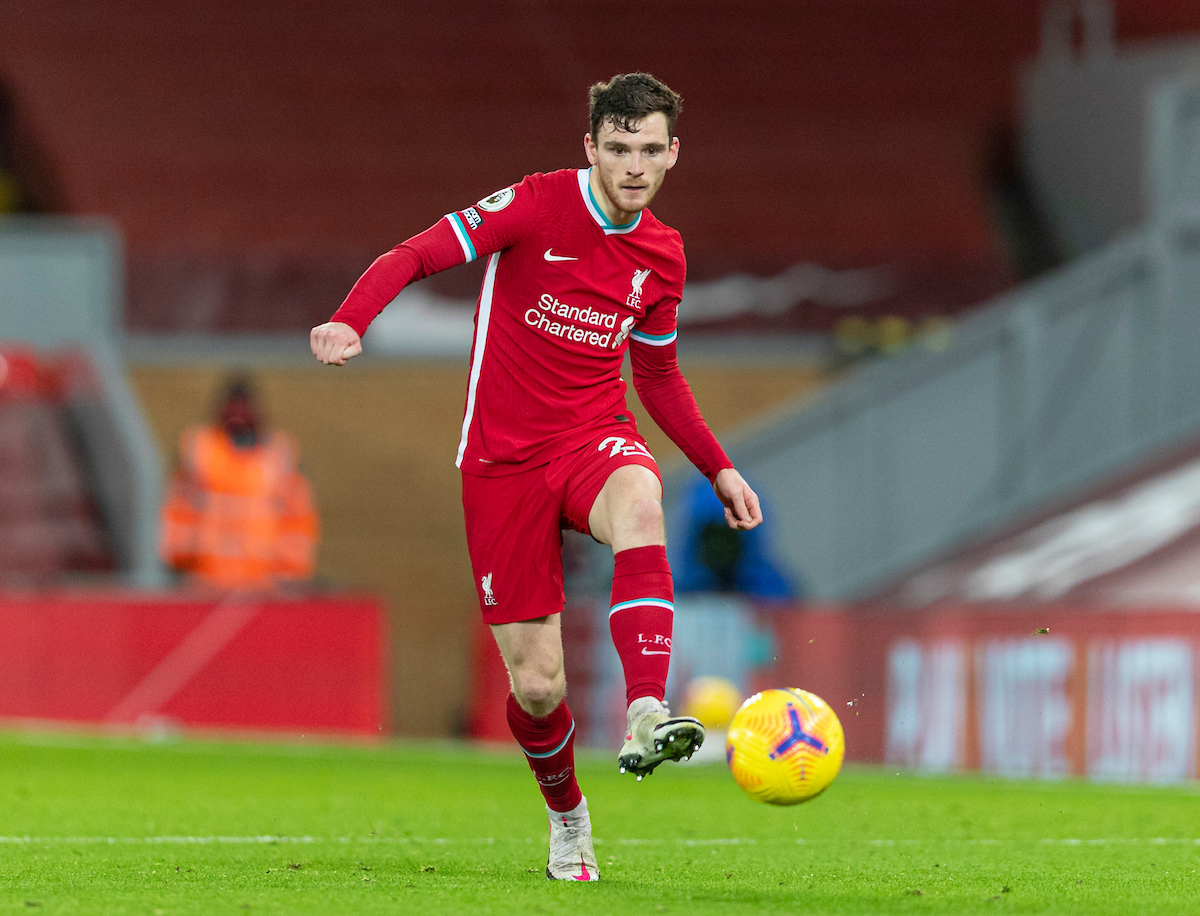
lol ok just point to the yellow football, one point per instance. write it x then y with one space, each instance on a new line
712 700
784 746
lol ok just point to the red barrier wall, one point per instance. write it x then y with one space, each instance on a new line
314 664
1022 690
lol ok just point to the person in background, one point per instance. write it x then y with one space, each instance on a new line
10 196
239 513
709 556
27 180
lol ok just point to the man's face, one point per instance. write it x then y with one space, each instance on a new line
631 165
240 421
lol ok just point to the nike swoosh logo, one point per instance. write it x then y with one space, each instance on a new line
556 257
646 651
584 874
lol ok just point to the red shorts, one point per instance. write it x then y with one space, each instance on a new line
515 522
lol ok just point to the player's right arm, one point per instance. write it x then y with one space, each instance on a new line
495 223
334 342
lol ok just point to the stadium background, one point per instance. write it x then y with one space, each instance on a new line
255 159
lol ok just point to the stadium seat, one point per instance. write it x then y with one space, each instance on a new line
49 524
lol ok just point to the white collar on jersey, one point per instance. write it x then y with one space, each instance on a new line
585 188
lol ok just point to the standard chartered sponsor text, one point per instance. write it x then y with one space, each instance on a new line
547 306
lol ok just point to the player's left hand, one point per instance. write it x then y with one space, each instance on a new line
742 511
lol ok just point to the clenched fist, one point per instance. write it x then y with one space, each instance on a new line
334 342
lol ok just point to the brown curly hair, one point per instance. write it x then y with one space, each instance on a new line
628 97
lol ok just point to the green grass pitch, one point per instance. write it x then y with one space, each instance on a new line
95 825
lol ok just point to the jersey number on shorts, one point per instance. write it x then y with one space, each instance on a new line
620 448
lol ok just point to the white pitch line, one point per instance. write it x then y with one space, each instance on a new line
182 840
304 840
1124 841
269 839
1070 841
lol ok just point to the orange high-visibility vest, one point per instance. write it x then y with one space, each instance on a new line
239 517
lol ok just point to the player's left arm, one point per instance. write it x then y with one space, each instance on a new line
668 399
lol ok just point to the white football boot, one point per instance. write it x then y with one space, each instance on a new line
571 855
654 735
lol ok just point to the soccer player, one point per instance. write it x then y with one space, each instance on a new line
578 272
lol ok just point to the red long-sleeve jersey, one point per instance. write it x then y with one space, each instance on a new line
564 294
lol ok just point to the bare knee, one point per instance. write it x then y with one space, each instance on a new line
532 651
637 523
645 519
537 692
628 512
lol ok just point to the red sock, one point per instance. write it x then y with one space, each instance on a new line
549 746
640 618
